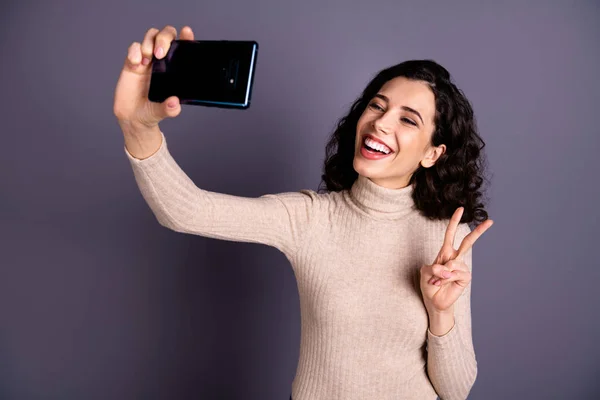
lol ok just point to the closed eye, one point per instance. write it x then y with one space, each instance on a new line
375 106
409 121
379 108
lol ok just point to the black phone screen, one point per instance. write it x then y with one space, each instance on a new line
218 73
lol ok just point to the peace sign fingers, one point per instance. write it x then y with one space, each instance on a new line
447 252
452 227
440 290
470 239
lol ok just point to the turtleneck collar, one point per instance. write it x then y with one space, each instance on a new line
380 202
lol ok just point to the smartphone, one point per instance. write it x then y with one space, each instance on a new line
213 73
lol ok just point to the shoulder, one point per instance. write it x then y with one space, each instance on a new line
302 195
307 199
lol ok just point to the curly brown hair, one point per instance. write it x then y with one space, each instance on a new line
456 179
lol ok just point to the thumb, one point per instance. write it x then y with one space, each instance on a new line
170 108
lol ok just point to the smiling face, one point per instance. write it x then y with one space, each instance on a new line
393 135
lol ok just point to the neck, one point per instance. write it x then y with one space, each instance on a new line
392 183
379 201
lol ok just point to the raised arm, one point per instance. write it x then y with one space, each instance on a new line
278 220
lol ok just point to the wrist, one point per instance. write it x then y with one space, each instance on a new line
141 142
134 128
440 313
441 322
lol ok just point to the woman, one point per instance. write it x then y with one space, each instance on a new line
384 295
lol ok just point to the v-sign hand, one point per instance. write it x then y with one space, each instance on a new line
446 278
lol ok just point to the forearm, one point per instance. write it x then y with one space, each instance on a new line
277 220
451 363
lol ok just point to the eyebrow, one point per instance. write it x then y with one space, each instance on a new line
412 110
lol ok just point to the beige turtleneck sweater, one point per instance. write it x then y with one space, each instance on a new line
356 256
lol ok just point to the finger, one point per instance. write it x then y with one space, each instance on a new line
425 271
472 237
456 264
461 278
186 33
134 57
148 45
160 111
452 227
433 280
441 271
438 281
163 41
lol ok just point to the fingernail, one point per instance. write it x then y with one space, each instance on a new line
145 61
171 103
159 52
446 274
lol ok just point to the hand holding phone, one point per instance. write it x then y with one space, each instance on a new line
214 73
131 104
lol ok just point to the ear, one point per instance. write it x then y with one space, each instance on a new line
432 155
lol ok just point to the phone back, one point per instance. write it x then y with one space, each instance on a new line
214 73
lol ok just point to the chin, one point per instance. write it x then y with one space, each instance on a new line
363 168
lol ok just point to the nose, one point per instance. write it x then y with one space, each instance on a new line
383 124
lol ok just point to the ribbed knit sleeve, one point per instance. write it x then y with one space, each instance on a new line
277 220
451 362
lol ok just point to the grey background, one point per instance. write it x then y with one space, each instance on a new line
98 301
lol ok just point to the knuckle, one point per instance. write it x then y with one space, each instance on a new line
459 264
147 49
160 37
117 112
163 41
151 32
133 50
167 33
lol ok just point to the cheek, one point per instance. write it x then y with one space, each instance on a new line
408 143
360 125
364 120
407 153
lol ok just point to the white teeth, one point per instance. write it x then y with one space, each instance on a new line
377 146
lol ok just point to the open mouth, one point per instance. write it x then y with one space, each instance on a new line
374 149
